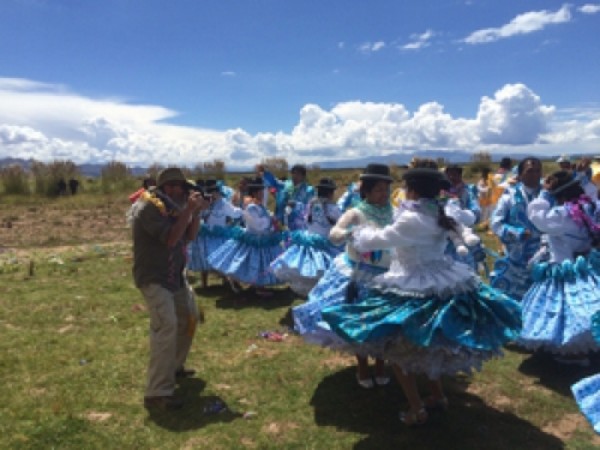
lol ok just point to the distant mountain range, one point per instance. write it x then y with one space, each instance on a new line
458 156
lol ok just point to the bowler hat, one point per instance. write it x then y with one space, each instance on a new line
427 174
377 172
173 174
327 183
255 183
211 185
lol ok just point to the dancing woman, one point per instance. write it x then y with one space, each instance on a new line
429 314
566 290
247 255
351 270
310 252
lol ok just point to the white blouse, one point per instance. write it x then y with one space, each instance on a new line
219 212
565 237
419 243
257 219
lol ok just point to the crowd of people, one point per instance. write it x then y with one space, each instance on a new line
396 277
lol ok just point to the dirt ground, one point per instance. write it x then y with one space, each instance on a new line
63 221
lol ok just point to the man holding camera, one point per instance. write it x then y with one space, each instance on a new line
165 218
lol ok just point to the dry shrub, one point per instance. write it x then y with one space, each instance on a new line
15 180
47 176
277 166
215 168
116 177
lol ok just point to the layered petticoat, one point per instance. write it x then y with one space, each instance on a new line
433 317
558 307
587 391
206 242
343 278
307 258
246 257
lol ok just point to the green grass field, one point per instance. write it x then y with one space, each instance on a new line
74 346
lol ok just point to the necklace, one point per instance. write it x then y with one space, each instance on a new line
381 215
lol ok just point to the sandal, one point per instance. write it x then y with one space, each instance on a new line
436 403
412 419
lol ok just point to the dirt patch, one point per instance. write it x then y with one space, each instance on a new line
566 426
338 360
64 221
279 427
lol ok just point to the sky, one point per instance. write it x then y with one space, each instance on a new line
182 82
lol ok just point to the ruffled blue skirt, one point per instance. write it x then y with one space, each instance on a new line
587 391
307 258
587 396
332 289
429 333
511 278
246 257
558 307
206 242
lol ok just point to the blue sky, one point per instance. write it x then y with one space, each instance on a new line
186 81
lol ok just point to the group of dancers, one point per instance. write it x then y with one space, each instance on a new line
395 276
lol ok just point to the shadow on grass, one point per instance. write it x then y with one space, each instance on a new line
250 298
556 376
468 424
197 412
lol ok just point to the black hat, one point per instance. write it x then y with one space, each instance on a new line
377 172
210 185
300 168
427 174
327 183
453 168
255 183
565 179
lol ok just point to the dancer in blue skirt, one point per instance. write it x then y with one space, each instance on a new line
247 255
215 229
350 271
429 314
587 391
310 252
566 291
520 238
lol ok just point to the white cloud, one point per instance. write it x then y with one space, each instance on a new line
515 116
228 73
522 24
48 123
419 41
589 8
371 47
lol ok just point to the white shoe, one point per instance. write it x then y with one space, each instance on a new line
382 381
367 383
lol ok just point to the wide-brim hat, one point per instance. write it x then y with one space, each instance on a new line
435 176
563 159
173 174
327 183
377 172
